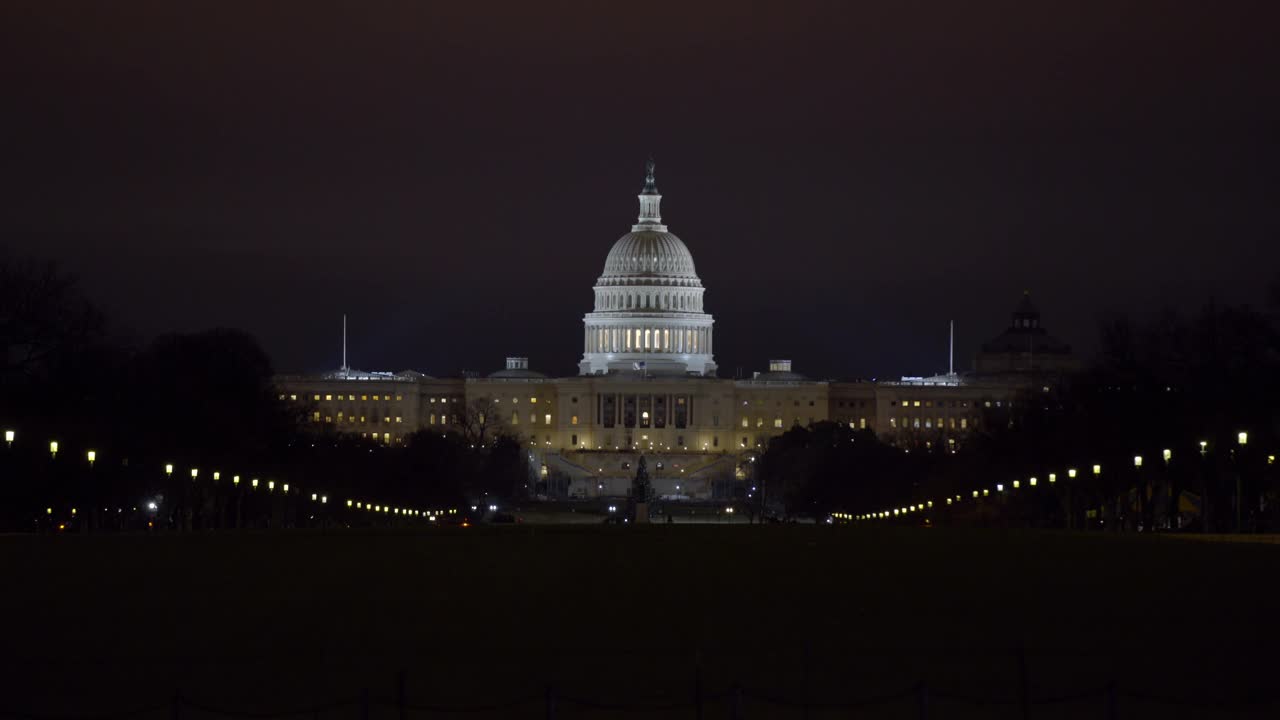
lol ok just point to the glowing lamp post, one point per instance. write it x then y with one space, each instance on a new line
1204 446
92 455
8 437
53 448
195 472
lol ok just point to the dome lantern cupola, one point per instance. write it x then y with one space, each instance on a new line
650 199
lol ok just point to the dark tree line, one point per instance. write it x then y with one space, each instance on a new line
1169 383
203 400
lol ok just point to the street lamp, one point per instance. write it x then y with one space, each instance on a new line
1097 469
53 448
1204 446
168 469
8 437
1241 438
1168 455
194 473
93 457
1137 461
217 476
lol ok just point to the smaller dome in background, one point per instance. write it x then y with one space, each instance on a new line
517 368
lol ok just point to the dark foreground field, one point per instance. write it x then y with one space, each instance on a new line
94 625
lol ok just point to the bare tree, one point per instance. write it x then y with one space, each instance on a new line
42 313
480 422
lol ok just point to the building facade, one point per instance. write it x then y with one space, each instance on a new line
647 384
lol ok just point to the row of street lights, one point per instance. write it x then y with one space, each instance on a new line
1242 439
254 483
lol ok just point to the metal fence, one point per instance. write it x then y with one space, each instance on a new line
738 702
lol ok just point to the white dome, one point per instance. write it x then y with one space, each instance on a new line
648 311
649 253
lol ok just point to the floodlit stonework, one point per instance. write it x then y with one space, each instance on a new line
647 384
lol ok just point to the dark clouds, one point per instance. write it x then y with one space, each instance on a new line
849 176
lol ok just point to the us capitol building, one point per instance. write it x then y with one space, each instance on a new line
647 384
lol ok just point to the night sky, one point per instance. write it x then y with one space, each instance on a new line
849 176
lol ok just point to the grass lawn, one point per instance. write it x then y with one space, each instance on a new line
287 620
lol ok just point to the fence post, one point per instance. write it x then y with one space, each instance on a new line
922 700
1024 690
401 695
1113 701
364 704
551 702
697 691
735 701
804 681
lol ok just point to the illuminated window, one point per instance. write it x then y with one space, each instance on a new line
293 397
387 420
376 398
759 422
351 398
916 424
862 423
328 397
515 418
777 422
533 418
547 418
916 404
927 423
364 397
746 422
893 422
398 418
398 398
533 399
315 416
433 418
964 423
433 401
573 420
647 339
317 397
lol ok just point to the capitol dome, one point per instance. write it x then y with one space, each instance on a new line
649 252
648 303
